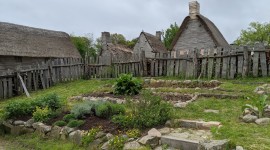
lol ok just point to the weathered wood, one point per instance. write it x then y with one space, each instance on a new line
177 65
255 60
1 90
10 88
233 65
225 64
240 61
210 64
5 85
246 63
183 66
156 65
218 63
23 85
190 66
204 63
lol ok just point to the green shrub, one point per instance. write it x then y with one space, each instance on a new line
50 100
75 123
126 84
106 110
17 109
69 117
133 133
117 143
258 106
145 113
60 123
90 136
82 109
41 114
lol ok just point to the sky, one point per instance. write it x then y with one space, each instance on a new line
130 17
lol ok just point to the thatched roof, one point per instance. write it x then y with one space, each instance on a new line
210 27
155 43
116 49
17 40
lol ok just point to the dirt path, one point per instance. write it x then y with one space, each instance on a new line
2 144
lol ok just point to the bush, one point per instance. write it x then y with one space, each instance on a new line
75 123
69 117
90 136
147 112
82 109
41 114
18 109
117 143
60 123
133 133
50 100
106 110
127 85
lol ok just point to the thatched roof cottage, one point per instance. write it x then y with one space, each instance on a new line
22 46
197 31
150 44
109 51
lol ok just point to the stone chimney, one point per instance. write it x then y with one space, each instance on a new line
106 38
194 9
158 35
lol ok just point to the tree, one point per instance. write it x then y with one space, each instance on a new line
84 44
132 43
169 35
118 39
256 32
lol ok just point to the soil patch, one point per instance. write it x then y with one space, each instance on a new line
110 94
56 118
23 118
175 84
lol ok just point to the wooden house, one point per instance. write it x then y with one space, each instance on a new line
22 46
115 52
197 31
150 44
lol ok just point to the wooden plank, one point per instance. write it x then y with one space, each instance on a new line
240 61
204 63
190 65
156 65
10 88
160 69
152 67
233 64
5 85
1 89
23 85
225 63
29 81
255 60
177 65
246 62
210 70
183 66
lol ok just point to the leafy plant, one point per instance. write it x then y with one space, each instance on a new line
75 123
258 106
50 100
69 117
117 143
82 109
126 84
41 114
133 133
90 136
18 109
60 123
106 110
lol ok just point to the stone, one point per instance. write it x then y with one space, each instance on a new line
43 129
95 144
76 98
260 92
154 132
67 130
239 148
29 123
214 145
169 123
55 132
180 105
149 140
37 124
100 135
105 146
132 146
249 118
266 113
197 88
263 121
146 81
18 122
76 137
19 130
187 82
109 136
164 131
211 111
179 143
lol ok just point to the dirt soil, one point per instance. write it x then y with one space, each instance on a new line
183 85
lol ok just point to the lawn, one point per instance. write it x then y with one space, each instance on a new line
250 136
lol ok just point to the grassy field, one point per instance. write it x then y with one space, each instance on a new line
250 136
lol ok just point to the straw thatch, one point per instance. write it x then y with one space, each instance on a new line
155 43
17 40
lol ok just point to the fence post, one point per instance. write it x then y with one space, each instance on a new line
246 62
143 64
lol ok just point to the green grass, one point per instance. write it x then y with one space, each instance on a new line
250 136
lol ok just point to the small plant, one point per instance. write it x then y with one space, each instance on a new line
51 100
17 109
133 133
117 143
41 114
90 136
106 110
60 123
82 109
75 123
126 84
258 106
125 121
69 117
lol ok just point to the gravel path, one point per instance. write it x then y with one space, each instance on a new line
2 145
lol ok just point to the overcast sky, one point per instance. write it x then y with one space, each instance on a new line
130 17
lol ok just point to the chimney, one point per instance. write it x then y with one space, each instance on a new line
106 38
194 9
158 35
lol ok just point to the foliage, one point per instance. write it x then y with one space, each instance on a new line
117 143
256 32
60 123
133 133
126 84
51 100
69 117
82 109
90 136
169 35
75 123
41 114
120 39
84 44
147 112
258 106
132 43
106 110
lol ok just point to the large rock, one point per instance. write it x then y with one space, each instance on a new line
249 118
214 145
180 142
18 122
105 146
65 131
29 123
211 111
164 131
132 146
154 132
55 132
43 129
239 148
95 144
263 121
37 125
149 140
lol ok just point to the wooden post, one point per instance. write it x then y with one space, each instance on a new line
23 85
143 64
246 62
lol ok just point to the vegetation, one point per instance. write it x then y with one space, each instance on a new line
85 45
41 114
169 35
258 106
117 143
133 133
256 32
106 110
60 123
82 109
90 136
75 123
69 117
120 39
126 84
